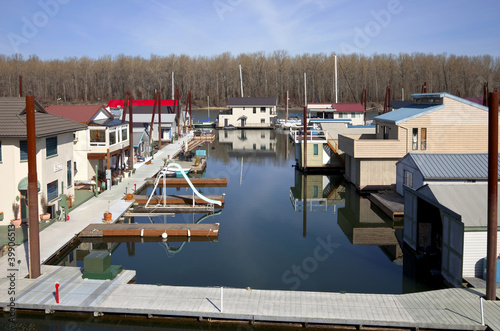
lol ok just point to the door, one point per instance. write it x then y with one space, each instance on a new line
452 249
226 122
23 203
242 122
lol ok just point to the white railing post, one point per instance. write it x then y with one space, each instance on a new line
481 308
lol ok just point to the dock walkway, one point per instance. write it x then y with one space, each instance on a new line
452 309
59 234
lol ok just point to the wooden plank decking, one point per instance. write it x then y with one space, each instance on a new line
151 230
197 182
452 309
390 202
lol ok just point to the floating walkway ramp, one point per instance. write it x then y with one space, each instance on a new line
177 199
150 230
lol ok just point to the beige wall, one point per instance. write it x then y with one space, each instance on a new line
12 170
312 160
375 173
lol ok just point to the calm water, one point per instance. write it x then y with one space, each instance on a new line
265 240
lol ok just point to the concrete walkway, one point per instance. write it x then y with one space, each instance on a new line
59 234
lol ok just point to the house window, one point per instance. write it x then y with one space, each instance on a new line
262 147
112 137
414 139
23 147
315 149
52 190
97 136
262 120
262 135
51 146
69 174
254 146
255 110
423 138
315 191
386 132
124 134
408 179
262 109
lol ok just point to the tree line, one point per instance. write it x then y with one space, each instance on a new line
86 80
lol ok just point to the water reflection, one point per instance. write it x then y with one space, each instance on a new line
363 224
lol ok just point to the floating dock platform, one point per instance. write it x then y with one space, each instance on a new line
177 199
197 182
390 202
150 230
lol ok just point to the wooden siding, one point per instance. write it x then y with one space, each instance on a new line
376 172
366 146
474 252
312 160
458 128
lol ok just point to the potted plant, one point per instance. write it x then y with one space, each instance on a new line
1 215
129 195
43 203
15 209
107 215
165 161
196 161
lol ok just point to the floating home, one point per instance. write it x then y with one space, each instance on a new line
326 122
54 157
103 144
445 205
249 113
433 123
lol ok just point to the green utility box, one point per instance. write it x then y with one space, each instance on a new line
97 265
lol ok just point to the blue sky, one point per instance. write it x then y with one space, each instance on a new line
56 29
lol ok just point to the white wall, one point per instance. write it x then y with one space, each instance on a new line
474 251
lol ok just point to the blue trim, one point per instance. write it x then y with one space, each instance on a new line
447 95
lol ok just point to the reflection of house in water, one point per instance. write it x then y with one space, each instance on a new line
320 192
74 257
259 143
365 226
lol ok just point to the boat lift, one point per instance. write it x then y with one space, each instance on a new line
161 177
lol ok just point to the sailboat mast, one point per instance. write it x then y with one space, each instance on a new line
241 82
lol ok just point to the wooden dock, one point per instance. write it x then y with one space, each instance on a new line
151 230
177 199
390 202
197 182
448 309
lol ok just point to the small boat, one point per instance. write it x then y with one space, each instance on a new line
229 127
204 124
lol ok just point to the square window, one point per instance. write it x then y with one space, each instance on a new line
262 120
262 109
69 173
408 179
112 137
315 149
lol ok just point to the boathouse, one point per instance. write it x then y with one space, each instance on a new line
445 204
434 123
249 112
104 144
54 157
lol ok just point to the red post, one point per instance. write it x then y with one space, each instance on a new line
57 292
491 248
135 188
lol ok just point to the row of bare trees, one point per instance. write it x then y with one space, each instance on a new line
86 80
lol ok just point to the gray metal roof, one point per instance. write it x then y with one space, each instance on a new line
146 118
13 120
469 200
407 113
250 101
451 165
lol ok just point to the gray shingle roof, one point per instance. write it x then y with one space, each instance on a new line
255 102
452 165
13 120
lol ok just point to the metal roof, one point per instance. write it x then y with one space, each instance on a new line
146 117
334 129
450 96
451 165
349 107
79 113
407 113
13 120
469 200
251 101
